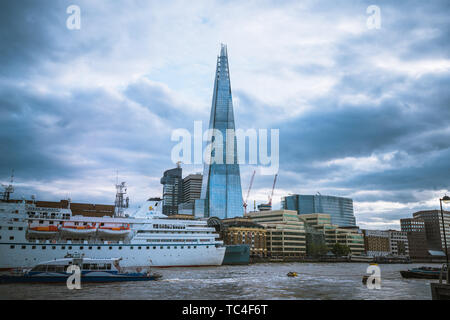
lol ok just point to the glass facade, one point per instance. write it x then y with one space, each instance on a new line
221 185
340 209
172 190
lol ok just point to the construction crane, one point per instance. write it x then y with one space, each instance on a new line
273 188
248 192
268 206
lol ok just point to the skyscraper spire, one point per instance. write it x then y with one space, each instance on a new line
221 186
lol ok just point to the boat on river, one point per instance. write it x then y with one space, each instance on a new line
91 270
424 273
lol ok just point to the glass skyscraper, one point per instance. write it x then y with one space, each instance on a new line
340 209
221 194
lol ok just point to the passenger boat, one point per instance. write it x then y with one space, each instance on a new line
31 233
424 273
92 270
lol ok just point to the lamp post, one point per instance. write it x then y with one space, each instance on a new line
445 199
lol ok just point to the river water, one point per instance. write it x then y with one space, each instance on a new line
257 281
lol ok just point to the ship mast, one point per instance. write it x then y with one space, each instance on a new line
8 189
121 202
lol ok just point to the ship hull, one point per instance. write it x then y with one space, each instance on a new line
26 255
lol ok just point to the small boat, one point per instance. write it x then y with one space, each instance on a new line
424 273
92 270
73 230
292 274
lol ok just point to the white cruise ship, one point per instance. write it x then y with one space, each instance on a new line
30 234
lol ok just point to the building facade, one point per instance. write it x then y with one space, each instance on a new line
377 242
172 190
434 228
192 187
399 243
239 230
340 209
286 238
349 236
417 239
221 194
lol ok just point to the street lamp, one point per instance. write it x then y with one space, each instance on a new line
445 199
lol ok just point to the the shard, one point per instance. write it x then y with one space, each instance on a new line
221 194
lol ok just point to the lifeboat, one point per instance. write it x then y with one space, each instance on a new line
78 230
43 231
114 231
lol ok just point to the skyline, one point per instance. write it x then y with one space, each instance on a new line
362 113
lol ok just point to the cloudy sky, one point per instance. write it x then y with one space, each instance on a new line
363 113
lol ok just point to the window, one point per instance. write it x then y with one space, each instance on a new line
10 228
139 248
11 238
12 247
63 248
120 248
33 247
23 247
90 248
70 247
44 247
110 248
81 248
53 247
98 248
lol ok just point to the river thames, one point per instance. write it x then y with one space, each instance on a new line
253 282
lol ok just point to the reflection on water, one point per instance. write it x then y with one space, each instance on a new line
258 281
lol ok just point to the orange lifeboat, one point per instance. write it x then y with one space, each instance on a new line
43 230
71 229
114 230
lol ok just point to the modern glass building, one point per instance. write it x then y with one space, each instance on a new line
172 190
221 194
340 209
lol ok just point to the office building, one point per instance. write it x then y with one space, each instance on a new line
340 209
434 228
348 236
377 242
239 230
417 239
172 190
192 187
286 238
399 243
221 194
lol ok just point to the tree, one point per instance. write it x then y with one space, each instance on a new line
340 249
